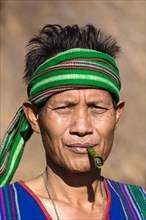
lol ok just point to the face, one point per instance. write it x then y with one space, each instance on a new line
73 120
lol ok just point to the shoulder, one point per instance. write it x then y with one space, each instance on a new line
10 200
125 189
13 191
131 199
18 202
13 194
8 190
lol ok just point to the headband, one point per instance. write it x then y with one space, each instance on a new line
73 69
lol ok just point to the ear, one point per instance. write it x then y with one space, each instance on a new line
32 112
119 110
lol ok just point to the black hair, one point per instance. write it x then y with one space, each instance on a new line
53 39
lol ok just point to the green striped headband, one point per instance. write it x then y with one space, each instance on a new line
73 69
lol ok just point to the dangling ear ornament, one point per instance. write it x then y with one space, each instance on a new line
98 161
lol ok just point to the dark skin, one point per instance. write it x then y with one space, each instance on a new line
70 122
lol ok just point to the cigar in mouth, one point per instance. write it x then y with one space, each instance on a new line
98 161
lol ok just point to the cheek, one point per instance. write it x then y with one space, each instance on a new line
52 130
105 127
53 123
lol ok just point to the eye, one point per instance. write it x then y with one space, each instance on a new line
98 109
63 109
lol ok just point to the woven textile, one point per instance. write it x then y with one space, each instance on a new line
72 69
19 204
125 202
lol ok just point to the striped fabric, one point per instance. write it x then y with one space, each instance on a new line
9 203
125 202
18 204
73 69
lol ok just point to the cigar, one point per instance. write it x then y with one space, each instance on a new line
98 161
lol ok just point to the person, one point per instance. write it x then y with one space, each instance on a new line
73 86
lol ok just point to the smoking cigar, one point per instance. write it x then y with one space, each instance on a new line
98 161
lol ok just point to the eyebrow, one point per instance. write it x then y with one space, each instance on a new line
99 101
62 102
74 102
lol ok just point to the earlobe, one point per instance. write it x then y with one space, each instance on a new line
32 113
119 110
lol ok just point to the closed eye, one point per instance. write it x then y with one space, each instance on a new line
63 109
98 109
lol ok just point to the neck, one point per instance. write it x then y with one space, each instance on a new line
82 187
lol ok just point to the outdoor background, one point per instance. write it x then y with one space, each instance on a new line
123 19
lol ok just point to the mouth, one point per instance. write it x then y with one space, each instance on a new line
80 147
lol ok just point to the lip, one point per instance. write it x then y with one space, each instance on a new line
80 147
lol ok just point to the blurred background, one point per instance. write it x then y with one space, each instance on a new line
123 19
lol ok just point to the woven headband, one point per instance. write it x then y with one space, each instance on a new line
73 69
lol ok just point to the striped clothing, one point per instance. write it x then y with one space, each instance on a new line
125 202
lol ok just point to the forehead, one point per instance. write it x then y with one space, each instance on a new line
89 95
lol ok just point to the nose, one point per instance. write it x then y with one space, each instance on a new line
81 123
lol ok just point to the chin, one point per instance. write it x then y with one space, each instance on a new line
77 168
80 170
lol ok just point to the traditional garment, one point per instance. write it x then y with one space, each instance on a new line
73 69
125 202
